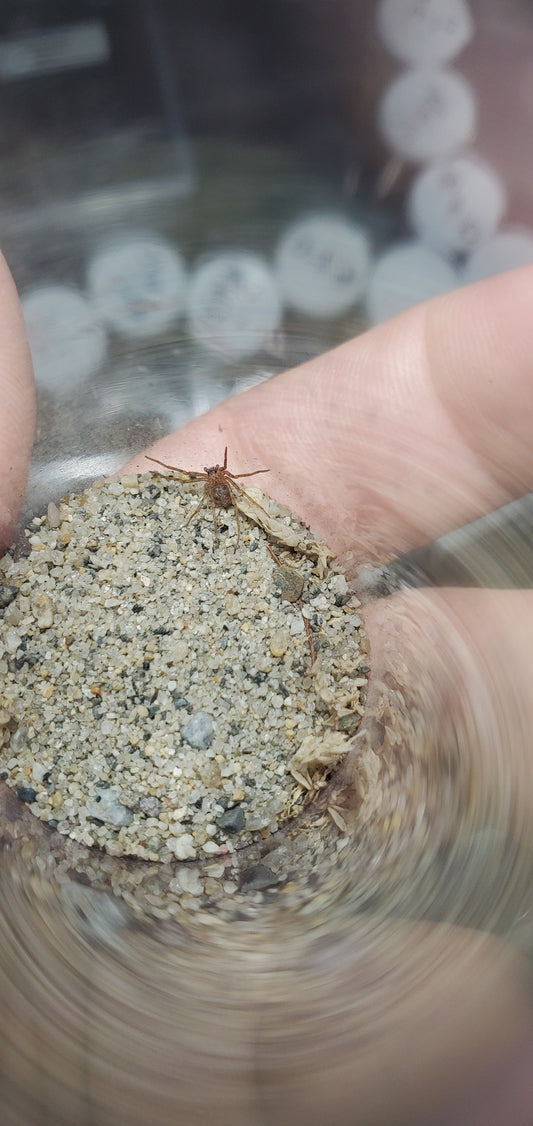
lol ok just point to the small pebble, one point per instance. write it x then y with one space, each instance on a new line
52 515
26 793
199 731
258 877
279 642
107 807
232 821
7 594
150 806
288 582
183 847
43 609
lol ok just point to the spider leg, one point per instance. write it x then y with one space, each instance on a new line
236 512
215 521
252 474
226 458
195 510
235 485
194 474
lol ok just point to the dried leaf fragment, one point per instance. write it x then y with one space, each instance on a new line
316 756
254 504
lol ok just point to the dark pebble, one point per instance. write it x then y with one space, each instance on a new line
26 793
232 821
7 594
342 599
258 877
179 700
137 609
259 678
288 583
154 550
349 723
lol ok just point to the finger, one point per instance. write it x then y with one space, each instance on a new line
300 1024
394 438
17 407
452 671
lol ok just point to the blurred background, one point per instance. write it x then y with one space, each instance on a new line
194 196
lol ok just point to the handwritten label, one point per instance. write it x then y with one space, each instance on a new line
427 115
424 32
456 205
138 285
234 304
66 338
322 265
405 275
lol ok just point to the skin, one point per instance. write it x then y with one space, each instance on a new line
17 407
409 431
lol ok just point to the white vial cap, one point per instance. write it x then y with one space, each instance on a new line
405 275
138 285
322 265
457 204
67 340
234 305
424 32
505 251
425 115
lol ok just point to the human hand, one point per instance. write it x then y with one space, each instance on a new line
383 444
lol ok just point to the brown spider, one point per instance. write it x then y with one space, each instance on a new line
219 487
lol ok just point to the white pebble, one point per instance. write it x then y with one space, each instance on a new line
188 880
12 640
183 847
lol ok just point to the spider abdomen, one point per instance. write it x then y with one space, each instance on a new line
221 495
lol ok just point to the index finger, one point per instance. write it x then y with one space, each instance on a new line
392 439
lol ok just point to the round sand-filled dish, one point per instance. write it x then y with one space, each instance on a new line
174 690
